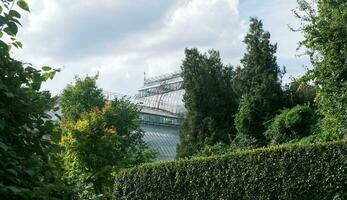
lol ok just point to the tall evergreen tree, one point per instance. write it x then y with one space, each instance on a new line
260 84
324 24
210 101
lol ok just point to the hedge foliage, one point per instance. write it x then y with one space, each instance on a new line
317 171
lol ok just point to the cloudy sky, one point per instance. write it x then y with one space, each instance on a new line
122 39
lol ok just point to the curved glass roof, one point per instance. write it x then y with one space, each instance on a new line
170 101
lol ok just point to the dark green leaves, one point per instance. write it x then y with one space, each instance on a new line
18 44
11 29
14 13
23 5
210 101
316 172
3 146
259 84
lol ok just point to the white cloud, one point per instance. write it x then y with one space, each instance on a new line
122 39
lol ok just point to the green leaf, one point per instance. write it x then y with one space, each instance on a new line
14 13
15 190
49 75
9 94
3 146
11 29
2 126
12 171
30 172
1 34
19 44
36 85
16 21
2 20
46 68
1 9
23 5
3 45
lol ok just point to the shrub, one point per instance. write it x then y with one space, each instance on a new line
291 124
316 171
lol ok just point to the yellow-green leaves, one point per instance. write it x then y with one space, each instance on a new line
99 137
23 5
46 68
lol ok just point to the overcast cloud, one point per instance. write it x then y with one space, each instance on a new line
122 39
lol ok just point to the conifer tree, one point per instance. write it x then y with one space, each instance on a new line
210 101
260 85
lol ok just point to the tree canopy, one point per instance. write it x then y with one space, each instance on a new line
209 99
99 138
81 97
324 24
260 84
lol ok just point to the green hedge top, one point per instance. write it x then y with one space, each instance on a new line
316 171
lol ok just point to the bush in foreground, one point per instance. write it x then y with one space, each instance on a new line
316 171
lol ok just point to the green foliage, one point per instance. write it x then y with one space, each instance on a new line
299 92
99 138
217 149
260 69
258 83
286 172
23 4
249 122
9 22
27 149
81 97
210 101
291 124
220 148
324 26
93 150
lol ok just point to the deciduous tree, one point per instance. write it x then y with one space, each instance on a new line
99 138
324 25
27 147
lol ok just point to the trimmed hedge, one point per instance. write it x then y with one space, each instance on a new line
316 171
